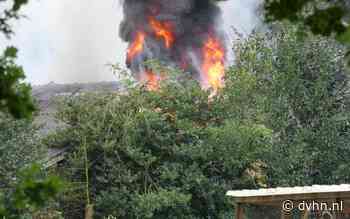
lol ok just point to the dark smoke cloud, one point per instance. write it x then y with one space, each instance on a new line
192 22
71 41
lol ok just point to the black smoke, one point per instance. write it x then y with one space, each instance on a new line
193 21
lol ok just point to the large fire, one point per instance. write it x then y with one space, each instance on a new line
151 80
136 46
213 66
198 50
162 30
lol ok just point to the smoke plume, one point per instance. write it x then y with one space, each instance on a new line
182 33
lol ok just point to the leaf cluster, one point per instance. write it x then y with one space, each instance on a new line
322 17
304 87
15 96
32 192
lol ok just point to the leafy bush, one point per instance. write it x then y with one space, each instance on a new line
15 96
281 119
304 85
31 192
164 154
19 147
24 188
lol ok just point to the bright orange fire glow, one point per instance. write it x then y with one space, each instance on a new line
151 80
213 66
136 46
163 30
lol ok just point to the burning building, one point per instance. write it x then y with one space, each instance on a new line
179 33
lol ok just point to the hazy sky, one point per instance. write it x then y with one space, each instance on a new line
68 41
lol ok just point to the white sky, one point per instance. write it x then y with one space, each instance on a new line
69 41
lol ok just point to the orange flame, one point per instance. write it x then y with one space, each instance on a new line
163 30
213 65
151 80
136 46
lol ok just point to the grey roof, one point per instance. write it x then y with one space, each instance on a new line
54 156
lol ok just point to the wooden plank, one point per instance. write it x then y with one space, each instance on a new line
305 214
285 215
294 197
239 214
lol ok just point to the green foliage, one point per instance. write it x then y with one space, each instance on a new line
32 191
24 188
35 190
9 15
326 18
18 148
282 119
327 21
323 17
21 194
304 90
284 9
165 154
15 96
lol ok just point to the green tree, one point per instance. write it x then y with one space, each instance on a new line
24 186
21 193
304 91
15 96
164 154
19 147
30 193
321 16
175 152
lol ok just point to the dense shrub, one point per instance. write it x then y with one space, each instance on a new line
281 119
24 188
164 154
19 147
305 87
